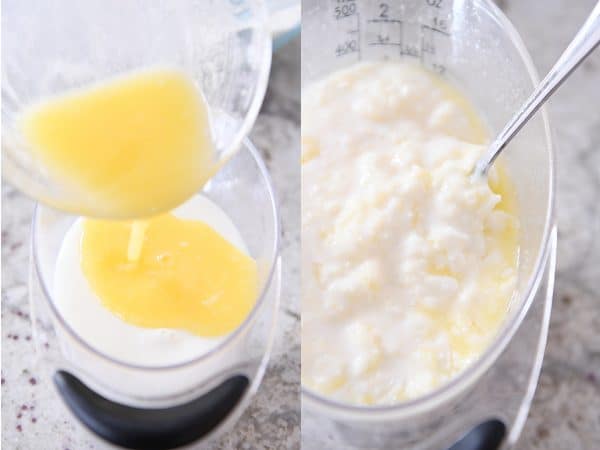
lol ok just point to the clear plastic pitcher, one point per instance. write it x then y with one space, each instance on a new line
471 43
54 46
152 406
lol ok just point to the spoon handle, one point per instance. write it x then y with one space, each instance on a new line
580 47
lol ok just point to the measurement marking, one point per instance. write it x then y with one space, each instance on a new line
439 68
384 21
292 314
358 36
346 47
385 44
352 42
401 31
445 33
345 9
427 47
412 55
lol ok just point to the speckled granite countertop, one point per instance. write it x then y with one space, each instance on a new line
32 415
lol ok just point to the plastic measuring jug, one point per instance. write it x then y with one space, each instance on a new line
164 406
471 43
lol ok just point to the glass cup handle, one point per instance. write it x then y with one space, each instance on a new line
148 429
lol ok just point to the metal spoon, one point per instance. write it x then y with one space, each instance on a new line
580 47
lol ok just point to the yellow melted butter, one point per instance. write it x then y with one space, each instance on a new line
478 133
136 239
135 146
187 276
491 311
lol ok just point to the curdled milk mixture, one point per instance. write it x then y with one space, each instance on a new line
408 264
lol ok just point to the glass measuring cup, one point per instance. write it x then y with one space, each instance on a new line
148 406
55 46
472 44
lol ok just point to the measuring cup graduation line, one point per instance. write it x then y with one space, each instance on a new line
426 46
428 27
429 46
384 39
384 21
385 29
358 38
383 36
353 45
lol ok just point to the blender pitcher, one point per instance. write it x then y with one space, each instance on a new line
165 406
471 43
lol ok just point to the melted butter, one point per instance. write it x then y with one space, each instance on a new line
478 131
136 239
133 146
310 149
187 276
492 310
504 242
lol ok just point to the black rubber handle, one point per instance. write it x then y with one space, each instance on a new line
150 429
485 436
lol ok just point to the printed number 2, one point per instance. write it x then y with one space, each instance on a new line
383 7
435 3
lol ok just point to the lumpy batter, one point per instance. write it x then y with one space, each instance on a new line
408 264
